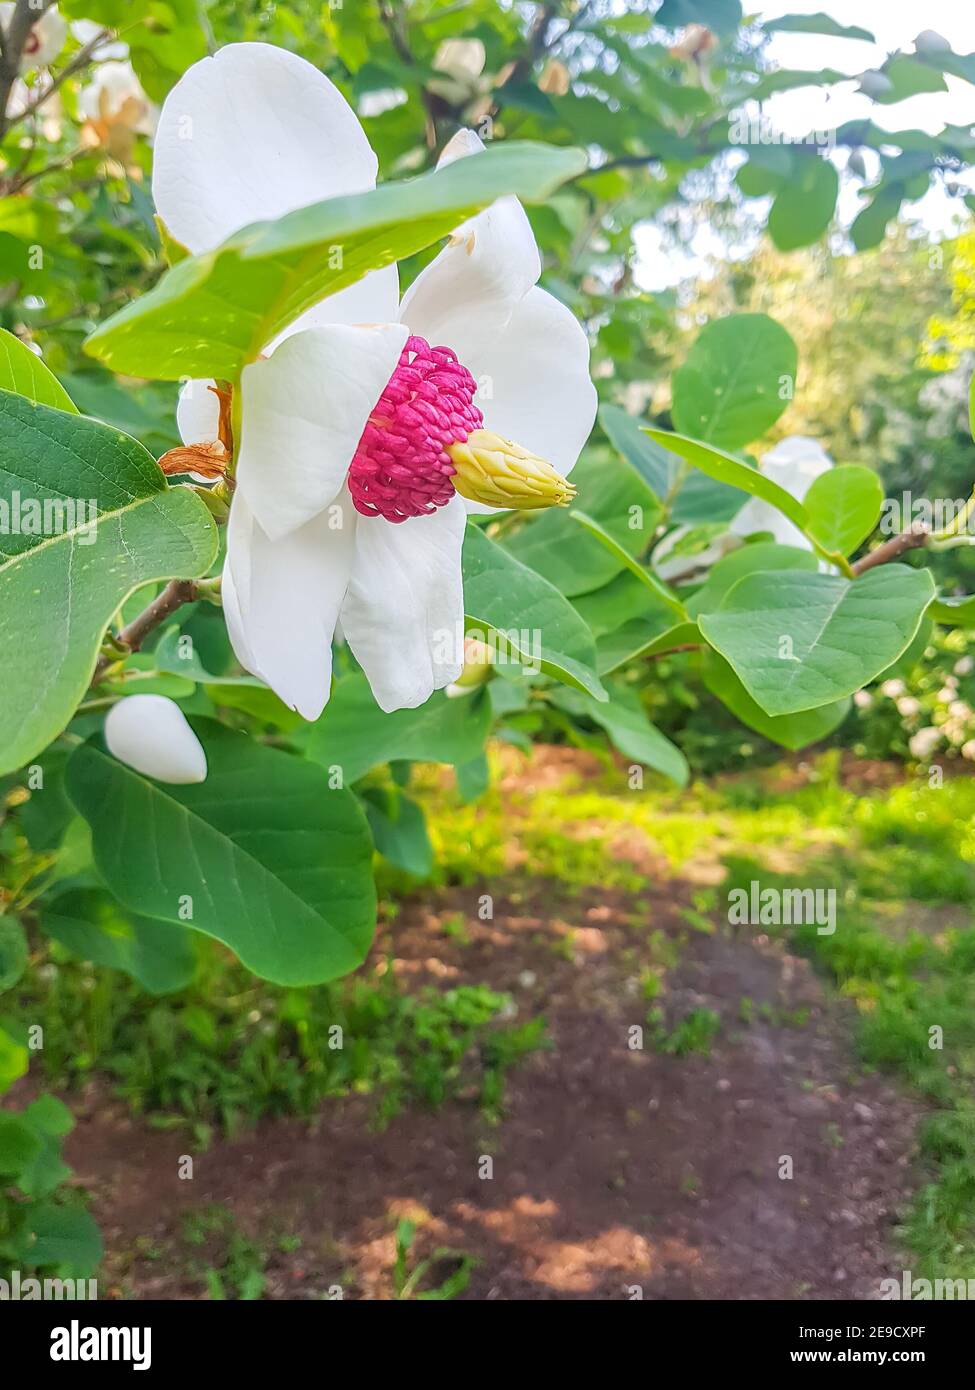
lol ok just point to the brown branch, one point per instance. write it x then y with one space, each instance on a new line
130 639
893 549
15 36
538 44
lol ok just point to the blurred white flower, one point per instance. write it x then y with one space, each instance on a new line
151 734
116 110
968 750
460 58
924 742
907 706
385 99
892 689
45 40
863 699
959 709
794 463
964 666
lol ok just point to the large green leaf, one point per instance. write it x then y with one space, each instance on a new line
843 505
264 855
954 610
539 628
213 313
629 729
654 586
65 1238
660 469
615 495
818 24
735 382
399 829
749 559
157 954
792 731
804 206
797 641
23 372
723 16
58 591
354 734
13 952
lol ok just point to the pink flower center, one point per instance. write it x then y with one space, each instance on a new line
401 466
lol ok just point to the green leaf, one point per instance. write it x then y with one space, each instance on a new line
58 591
634 642
647 578
63 1237
723 16
23 372
909 78
213 313
354 734
843 505
19 1145
749 559
625 721
399 829
658 468
536 625
817 24
94 927
13 952
870 223
797 641
177 654
725 469
51 1120
264 855
616 496
736 381
803 207
13 1054
792 731
954 610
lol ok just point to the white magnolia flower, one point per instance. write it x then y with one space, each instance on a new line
150 733
794 463
345 504
45 40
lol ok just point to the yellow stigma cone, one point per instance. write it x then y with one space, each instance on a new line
499 473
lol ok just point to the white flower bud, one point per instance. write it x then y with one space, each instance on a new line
150 733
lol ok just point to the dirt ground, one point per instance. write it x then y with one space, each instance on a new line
617 1172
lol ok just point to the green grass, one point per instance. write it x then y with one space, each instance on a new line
231 1048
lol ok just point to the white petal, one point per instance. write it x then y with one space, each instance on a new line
794 463
489 264
404 613
252 133
533 380
150 733
304 410
198 413
282 600
373 299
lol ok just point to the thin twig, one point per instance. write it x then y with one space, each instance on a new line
893 549
130 639
81 60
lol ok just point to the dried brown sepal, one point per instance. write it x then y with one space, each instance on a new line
206 460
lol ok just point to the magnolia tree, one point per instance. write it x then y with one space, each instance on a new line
389 528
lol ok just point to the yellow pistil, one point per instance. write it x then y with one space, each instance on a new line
499 473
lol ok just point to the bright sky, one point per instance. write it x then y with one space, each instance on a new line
895 23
